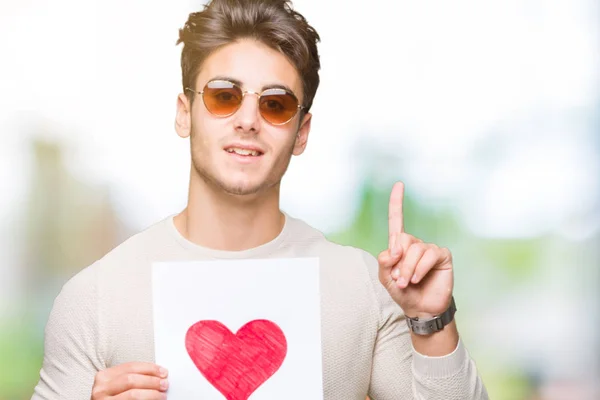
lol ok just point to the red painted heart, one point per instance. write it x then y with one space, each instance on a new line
236 365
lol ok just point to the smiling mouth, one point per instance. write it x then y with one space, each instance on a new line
244 152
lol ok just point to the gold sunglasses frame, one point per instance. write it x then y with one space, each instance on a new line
258 95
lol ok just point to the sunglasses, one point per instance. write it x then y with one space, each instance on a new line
223 98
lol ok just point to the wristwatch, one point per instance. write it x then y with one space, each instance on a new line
432 325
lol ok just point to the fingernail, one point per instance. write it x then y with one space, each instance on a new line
402 281
414 278
395 273
163 372
164 384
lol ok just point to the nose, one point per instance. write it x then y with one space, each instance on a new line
247 118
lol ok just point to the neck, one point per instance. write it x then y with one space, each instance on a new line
222 221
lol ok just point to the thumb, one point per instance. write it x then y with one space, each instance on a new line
387 260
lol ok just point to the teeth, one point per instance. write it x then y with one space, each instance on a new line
243 152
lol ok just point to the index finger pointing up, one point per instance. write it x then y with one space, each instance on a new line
396 216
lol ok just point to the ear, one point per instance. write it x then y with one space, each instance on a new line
302 135
183 118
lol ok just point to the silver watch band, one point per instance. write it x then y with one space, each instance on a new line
432 325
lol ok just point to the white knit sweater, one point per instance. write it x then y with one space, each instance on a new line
103 317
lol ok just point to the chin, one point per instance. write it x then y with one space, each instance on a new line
246 188
240 185
241 190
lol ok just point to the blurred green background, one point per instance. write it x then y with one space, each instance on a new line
490 114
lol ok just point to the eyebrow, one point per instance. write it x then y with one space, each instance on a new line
240 84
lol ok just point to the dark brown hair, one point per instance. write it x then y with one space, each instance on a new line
272 22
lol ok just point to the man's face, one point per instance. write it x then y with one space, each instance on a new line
214 139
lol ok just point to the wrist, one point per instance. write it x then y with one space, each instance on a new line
419 315
422 315
437 344
426 324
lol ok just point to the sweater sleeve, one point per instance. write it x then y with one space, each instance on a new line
71 357
398 369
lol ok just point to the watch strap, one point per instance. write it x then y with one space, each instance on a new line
432 325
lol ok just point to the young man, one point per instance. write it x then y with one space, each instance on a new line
250 72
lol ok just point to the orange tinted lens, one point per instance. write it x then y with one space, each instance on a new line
278 106
222 98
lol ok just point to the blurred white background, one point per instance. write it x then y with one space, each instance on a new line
488 111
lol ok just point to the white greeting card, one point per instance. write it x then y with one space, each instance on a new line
239 329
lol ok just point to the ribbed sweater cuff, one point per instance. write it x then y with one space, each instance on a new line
439 367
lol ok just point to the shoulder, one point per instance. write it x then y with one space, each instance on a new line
143 245
344 263
341 256
347 269
79 292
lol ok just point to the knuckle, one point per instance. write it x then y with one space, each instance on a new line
414 240
130 380
448 254
417 248
431 250
136 394
100 377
